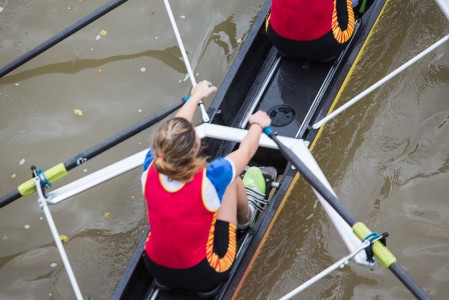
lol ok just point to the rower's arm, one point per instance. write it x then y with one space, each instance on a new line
250 142
199 91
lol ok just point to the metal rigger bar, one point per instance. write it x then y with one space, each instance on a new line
339 264
54 231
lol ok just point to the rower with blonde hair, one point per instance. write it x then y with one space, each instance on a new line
195 206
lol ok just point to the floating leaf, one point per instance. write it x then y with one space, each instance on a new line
5 237
64 238
106 214
78 112
103 32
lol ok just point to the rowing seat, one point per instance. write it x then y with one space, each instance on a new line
207 294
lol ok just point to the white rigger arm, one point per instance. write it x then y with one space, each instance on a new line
218 132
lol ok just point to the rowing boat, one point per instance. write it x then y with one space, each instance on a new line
295 93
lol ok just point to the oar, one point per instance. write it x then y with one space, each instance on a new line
361 230
60 36
379 83
61 169
444 6
204 114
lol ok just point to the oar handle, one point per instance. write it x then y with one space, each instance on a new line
269 131
204 114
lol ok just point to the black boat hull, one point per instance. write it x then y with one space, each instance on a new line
295 93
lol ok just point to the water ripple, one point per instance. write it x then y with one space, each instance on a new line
6 141
12 115
40 118
72 5
23 130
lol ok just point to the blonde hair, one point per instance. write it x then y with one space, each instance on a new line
175 148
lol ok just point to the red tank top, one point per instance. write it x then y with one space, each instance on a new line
307 20
179 221
301 20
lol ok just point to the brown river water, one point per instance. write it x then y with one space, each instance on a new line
387 156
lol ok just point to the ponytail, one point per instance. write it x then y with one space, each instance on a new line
175 147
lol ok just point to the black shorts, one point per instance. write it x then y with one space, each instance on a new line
202 276
324 49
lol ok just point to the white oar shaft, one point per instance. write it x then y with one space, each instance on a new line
54 232
181 44
444 6
184 56
379 83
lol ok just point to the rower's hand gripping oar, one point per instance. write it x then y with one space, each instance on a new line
204 114
60 170
361 230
